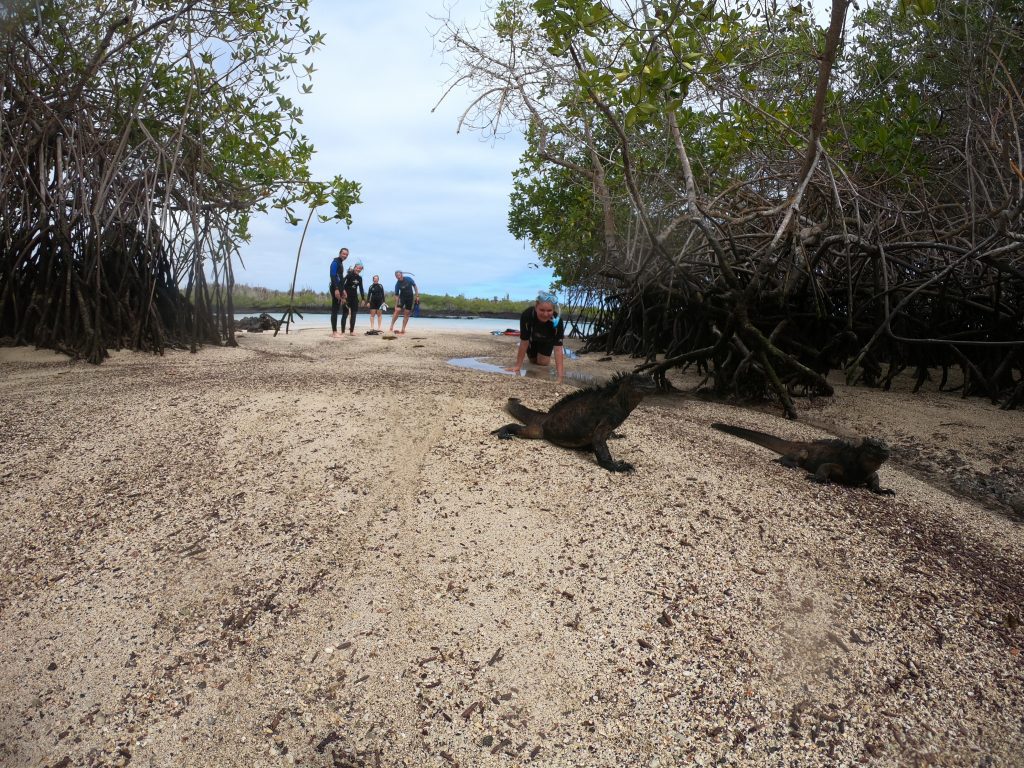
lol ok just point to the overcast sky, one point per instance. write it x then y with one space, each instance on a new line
435 202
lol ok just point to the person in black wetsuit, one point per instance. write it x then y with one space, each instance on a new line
407 295
337 290
375 297
540 336
353 289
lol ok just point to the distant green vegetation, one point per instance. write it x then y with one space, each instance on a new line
248 297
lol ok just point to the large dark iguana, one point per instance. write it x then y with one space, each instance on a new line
842 461
583 419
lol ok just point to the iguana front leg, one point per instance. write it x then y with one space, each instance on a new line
605 459
600 445
875 486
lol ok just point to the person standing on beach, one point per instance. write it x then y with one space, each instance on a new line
406 296
337 290
353 288
375 297
540 336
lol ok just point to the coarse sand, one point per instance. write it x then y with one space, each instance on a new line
309 551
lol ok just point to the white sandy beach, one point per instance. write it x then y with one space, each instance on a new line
306 551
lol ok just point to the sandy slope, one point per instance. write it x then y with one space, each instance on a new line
311 551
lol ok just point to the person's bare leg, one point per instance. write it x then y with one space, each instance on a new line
405 320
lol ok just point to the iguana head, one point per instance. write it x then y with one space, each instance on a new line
873 452
636 383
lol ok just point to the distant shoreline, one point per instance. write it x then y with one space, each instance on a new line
423 313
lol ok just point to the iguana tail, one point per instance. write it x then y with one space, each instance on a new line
763 439
517 410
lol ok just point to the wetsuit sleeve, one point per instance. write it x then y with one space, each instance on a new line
525 326
362 294
334 275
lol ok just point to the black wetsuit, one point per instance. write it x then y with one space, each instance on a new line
337 279
543 337
352 290
405 295
375 294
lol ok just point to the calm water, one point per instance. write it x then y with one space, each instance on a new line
473 324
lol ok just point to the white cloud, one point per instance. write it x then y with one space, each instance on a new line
435 201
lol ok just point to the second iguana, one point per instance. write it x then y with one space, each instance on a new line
841 461
583 419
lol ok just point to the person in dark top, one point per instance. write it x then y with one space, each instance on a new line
406 296
337 289
375 297
540 336
353 289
